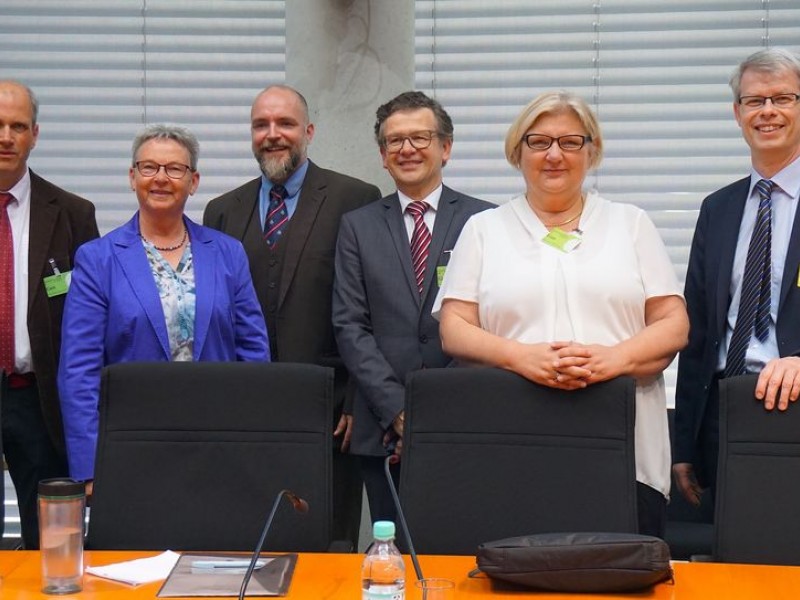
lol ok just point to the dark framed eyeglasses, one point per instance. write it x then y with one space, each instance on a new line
568 143
779 100
148 168
419 140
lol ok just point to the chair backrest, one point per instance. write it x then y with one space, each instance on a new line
488 455
758 481
192 455
689 529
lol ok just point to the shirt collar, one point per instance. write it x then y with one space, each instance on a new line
22 189
292 185
787 179
432 199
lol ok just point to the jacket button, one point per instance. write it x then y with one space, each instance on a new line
423 339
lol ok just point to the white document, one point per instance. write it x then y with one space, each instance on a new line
141 570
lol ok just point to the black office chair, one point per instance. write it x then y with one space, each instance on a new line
488 455
758 481
689 529
192 455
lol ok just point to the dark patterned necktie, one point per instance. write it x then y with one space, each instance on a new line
420 240
753 316
277 216
6 287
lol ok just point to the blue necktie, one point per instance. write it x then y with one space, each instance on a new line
754 304
277 216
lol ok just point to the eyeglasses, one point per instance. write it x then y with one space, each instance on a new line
419 140
568 143
779 100
148 168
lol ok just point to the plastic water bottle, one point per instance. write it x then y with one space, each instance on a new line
383 574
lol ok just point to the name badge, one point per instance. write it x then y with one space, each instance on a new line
440 274
561 240
57 285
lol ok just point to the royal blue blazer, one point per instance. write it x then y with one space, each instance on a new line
113 314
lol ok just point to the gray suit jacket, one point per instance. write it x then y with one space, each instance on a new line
383 326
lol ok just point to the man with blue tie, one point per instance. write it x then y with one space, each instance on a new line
743 280
287 219
390 257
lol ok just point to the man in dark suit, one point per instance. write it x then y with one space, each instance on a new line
742 285
46 225
390 258
290 238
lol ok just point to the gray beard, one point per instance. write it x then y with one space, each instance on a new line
278 170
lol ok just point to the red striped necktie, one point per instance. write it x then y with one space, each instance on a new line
6 286
420 240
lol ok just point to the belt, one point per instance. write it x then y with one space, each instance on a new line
18 381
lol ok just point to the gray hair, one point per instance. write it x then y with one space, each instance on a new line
168 132
771 60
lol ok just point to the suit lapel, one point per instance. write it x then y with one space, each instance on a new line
312 196
727 222
442 226
399 235
791 269
244 211
44 214
133 261
203 261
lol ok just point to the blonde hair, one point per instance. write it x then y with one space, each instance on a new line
552 103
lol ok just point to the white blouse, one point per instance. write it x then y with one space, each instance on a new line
533 292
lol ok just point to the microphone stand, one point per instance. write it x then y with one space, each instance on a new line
391 459
299 504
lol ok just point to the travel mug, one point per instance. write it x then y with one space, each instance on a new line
62 504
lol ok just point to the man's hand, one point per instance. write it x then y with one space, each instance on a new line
687 482
399 423
779 382
344 428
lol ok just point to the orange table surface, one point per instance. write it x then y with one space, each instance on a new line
336 577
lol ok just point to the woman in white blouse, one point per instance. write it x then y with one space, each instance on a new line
568 289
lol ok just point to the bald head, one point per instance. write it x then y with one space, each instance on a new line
12 86
18 131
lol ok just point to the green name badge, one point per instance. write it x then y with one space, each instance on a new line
561 240
440 274
57 285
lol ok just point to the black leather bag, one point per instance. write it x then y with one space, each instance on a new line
577 562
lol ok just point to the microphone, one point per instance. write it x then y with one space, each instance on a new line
299 505
391 460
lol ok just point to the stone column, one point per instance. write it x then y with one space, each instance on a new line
347 57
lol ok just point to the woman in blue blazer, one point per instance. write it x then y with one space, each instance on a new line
159 288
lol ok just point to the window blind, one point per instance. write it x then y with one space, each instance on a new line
656 73
102 70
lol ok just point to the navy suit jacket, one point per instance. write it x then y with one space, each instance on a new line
383 325
707 293
113 314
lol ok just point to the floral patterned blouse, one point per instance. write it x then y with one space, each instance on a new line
176 289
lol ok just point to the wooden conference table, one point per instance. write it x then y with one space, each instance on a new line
336 577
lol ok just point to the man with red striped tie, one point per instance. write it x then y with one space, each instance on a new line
390 258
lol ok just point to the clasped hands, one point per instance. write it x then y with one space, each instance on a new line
567 365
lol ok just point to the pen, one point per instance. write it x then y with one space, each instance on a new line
225 564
